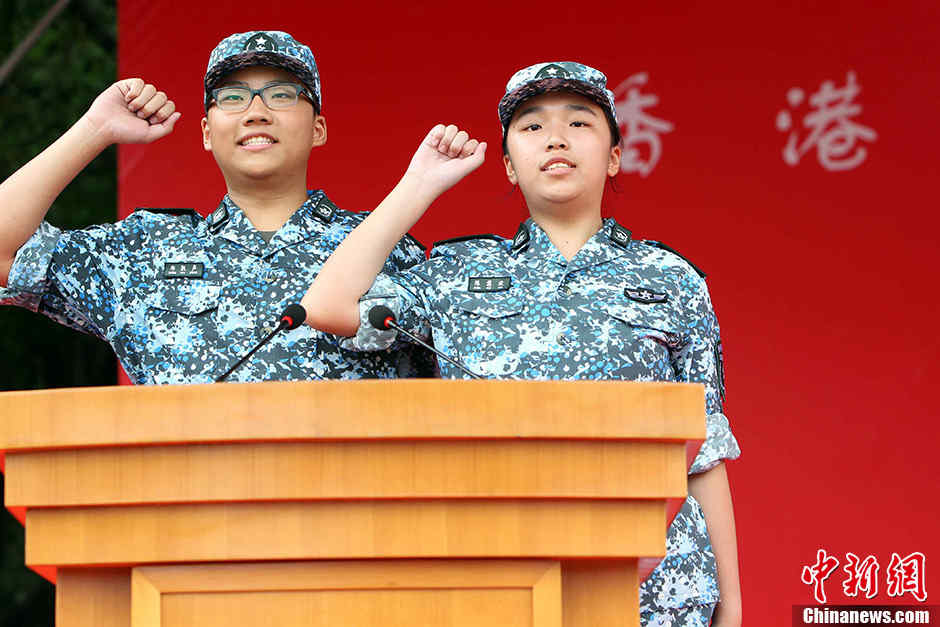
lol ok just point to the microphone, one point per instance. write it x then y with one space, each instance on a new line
291 318
382 318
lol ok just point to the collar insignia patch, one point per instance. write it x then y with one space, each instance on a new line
324 210
521 239
217 218
620 236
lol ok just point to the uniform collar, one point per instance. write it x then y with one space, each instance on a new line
610 242
308 221
230 222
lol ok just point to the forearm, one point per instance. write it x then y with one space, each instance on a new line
711 490
443 158
25 197
332 302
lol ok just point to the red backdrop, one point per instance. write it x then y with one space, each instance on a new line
824 280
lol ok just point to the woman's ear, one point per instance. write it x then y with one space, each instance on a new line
206 143
510 171
613 165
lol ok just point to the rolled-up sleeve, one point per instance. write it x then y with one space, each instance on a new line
67 276
404 302
719 444
701 361
29 275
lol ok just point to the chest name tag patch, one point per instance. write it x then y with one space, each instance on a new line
489 283
183 270
645 296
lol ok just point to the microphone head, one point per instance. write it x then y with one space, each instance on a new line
294 315
379 315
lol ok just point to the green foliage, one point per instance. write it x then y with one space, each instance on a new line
73 61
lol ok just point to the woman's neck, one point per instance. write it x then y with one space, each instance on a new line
569 232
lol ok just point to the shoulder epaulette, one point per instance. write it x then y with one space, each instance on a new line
676 253
414 240
465 238
175 211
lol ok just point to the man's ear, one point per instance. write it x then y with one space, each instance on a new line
206 143
318 137
613 165
510 171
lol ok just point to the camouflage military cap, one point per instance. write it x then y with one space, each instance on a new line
270 48
558 76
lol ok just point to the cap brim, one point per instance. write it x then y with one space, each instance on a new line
266 59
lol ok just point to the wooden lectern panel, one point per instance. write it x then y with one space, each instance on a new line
594 592
600 593
99 597
362 608
403 409
344 530
346 470
523 593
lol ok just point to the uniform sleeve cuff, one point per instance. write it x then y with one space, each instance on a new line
28 279
368 338
719 444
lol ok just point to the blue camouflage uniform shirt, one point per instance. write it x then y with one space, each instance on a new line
180 298
620 309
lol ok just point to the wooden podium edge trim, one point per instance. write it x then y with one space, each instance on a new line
145 600
547 606
319 410
542 577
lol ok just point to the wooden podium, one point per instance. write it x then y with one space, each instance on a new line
419 502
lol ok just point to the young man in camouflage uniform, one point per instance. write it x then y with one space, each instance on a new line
178 297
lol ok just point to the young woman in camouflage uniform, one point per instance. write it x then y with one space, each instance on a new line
571 296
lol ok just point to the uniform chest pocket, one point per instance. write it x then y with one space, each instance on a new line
494 308
646 337
489 332
178 341
184 296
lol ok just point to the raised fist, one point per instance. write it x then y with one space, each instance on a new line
132 112
445 156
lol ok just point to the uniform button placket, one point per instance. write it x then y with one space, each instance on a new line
563 288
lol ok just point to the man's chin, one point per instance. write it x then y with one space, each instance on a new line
257 173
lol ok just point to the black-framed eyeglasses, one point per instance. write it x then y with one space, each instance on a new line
274 95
